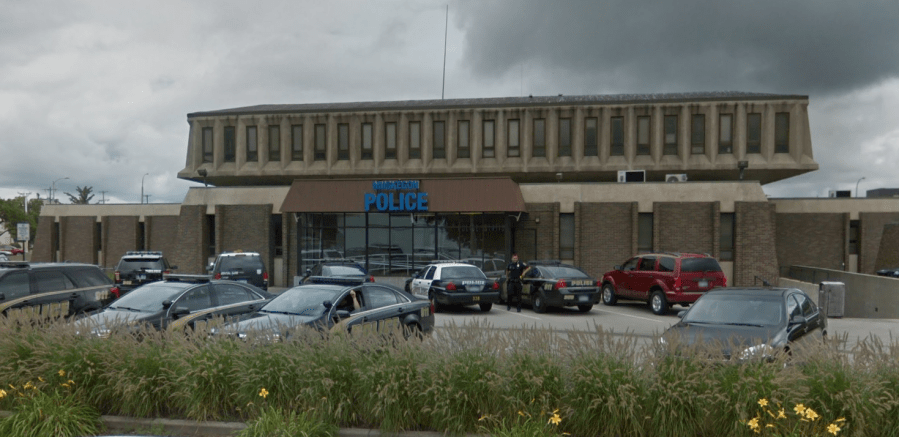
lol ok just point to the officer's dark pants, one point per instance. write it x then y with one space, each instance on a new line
514 294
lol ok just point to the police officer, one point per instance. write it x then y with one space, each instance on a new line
515 272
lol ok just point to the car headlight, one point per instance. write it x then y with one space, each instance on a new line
759 351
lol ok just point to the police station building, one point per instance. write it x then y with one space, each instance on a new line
590 180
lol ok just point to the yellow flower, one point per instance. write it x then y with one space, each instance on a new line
29 385
763 402
65 385
62 372
556 419
833 429
799 409
754 423
263 392
842 419
810 414
483 417
71 382
2 393
40 379
520 413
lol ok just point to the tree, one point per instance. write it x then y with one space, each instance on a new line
12 212
84 196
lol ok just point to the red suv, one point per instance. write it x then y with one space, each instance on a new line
663 279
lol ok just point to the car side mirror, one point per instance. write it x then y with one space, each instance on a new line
327 304
209 268
798 320
180 311
173 267
166 304
617 267
681 313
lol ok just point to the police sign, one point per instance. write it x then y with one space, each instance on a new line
402 196
23 231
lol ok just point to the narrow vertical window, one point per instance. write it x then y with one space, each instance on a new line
274 143
514 137
343 141
439 140
296 142
321 153
697 136
464 149
207 144
489 139
252 146
782 132
539 137
367 139
566 236
617 136
414 140
390 141
644 232
643 135
725 134
726 243
754 133
230 144
853 236
670 147
564 137
590 141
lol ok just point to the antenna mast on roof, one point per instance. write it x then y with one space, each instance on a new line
445 33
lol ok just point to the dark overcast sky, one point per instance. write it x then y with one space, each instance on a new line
98 91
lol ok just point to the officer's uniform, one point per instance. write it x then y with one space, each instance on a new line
513 285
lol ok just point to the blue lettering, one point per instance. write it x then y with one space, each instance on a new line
393 206
422 201
410 203
369 200
382 202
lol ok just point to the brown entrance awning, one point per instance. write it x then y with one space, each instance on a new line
444 195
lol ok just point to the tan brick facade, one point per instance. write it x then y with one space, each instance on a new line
537 233
161 233
686 227
246 228
754 246
871 229
45 242
888 255
193 237
605 235
817 240
78 235
119 235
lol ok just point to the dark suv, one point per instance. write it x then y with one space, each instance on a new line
138 268
48 290
246 267
336 271
663 279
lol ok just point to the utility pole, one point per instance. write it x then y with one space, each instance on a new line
103 197
26 200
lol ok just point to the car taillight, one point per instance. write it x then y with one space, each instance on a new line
371 279
496 285
599 282
724 282
118 277
265 276
218 276
560 284
451 287
432 308
116 292
166 272
677 284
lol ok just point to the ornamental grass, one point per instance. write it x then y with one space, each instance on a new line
468 378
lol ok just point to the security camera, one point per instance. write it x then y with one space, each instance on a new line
559 177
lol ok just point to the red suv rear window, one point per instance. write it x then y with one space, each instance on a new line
699 265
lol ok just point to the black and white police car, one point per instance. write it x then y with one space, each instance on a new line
455 283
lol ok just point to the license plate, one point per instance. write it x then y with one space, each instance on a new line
569 297
703 284
475 298
141 277
126 282
242 280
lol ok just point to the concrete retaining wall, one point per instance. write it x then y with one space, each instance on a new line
867 296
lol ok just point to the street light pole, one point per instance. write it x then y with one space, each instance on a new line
53 189
142 187
856 186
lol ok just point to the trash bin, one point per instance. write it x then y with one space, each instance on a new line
832 298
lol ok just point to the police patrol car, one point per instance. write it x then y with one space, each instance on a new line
552 283
455 283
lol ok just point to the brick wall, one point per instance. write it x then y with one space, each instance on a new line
191 252
605 235
120 234
888 255
291 255
871 229
77 239
812 239
245 227
161 233
686 227
755 253
45 240
546 232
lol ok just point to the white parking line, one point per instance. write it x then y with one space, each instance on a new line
635 317
525 315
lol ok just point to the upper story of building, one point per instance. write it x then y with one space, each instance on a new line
531 139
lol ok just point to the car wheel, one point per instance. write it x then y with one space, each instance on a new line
540 303
585 308
433 300
658 303
413 330
485 307
608 295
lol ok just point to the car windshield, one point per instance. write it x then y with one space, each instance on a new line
128 265
148 298
699 265
562 272
462 272
307 300
241 262
737 310
342 271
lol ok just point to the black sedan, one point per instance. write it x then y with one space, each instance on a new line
179 301
749 323
892 273
337 272
381 307
554 284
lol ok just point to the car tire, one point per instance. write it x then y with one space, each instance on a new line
658 303
608 295
485 307
413 330
433 300
539 303
585 308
